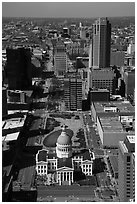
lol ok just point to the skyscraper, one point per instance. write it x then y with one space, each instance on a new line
126 169
18 68
4 102
101 43
60 59
73 93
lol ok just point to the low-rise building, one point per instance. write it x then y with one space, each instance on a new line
123 109
110 131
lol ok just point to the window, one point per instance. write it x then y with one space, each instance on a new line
128 158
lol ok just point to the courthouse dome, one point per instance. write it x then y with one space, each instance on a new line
64 138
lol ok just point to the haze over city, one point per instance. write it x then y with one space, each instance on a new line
68 102
68 9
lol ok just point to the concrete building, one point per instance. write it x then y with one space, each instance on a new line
73 93
126 169
123 109
129 80
110 131
101 43
99 95
103 79
18 68
60 59
64 161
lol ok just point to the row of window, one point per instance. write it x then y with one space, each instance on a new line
41 171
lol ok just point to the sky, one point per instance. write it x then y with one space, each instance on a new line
68 9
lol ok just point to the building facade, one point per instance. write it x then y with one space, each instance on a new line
129 80
102 79
101 43
126 169
4 101
18 69
60 59
73 93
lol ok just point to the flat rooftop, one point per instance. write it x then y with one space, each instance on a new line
10 137
131 138
123 106
13 123
111 124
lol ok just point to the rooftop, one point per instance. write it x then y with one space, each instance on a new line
111 124
123 106
131 138
26 175
10 137
13 123
67 162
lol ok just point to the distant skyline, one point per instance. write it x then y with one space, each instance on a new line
68 9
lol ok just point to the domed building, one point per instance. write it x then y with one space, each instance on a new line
64 162
64 145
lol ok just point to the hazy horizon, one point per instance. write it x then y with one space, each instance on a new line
68 9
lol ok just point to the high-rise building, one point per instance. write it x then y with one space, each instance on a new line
60 59
18 68
4 101
101 43
126 169
73 93
129 80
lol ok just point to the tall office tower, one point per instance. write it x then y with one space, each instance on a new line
126 169
18 68
73 93
4 101
60 59
101 43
